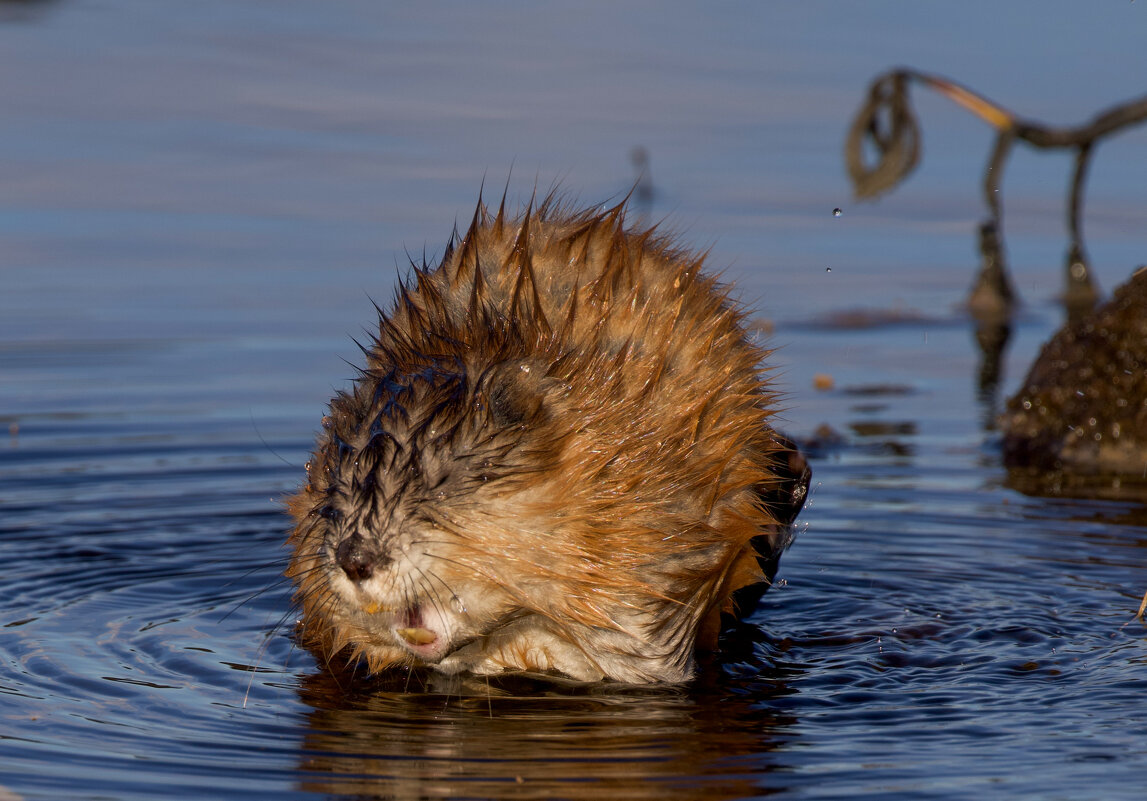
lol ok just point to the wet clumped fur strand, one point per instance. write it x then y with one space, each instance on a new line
557 459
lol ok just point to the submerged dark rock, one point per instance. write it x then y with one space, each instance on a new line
1083 407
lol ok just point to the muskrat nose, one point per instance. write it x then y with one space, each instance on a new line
357 559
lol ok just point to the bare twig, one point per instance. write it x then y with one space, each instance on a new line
992 297
886 123
1000 153
886 126
1080 294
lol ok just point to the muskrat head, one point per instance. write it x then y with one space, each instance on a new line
408 544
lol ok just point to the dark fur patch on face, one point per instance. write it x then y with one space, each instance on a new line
515 393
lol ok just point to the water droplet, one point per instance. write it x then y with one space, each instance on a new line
1027 404
457 605
837 212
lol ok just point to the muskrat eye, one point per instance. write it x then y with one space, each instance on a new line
514 395
329 512
507 408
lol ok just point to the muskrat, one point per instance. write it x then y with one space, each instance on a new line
558 459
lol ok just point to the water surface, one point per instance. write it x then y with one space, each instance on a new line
197 202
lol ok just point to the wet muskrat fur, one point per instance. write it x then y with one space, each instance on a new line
557 459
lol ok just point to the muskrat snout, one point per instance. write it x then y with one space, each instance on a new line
358 559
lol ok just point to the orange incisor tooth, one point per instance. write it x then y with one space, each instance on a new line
417 636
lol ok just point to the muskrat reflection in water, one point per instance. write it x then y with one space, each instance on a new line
557 459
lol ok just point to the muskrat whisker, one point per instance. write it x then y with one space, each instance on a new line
266 444
423 589
431 576
278 582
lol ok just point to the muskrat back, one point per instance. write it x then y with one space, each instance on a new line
557 459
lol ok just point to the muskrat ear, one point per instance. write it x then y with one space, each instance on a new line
514 393
785 496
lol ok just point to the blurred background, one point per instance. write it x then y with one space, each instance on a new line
198 201
254 169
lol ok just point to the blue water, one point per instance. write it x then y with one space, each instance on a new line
199 200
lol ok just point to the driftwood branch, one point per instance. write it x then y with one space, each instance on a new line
886 126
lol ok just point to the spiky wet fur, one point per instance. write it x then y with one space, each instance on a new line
553 460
